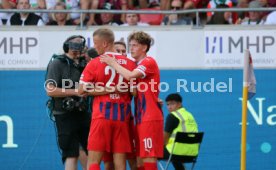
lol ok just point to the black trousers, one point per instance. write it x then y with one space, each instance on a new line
177 165
72 132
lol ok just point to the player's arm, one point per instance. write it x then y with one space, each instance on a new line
87 85
128 75
166 137
54 91
170 124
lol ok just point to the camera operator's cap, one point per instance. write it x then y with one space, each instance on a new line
92 53
107 6
255 4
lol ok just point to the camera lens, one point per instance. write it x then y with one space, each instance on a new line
68 104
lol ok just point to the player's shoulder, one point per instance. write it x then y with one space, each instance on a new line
94 61
149 61
124 59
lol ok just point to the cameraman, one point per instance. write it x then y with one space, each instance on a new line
69 110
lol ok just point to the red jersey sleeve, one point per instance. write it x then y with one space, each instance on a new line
145 67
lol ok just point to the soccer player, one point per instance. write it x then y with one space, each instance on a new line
111 111
120 47
148 114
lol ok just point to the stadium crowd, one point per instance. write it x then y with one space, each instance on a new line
244 18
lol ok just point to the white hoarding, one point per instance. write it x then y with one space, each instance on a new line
173 48
19 49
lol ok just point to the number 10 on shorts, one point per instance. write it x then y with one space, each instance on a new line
147 143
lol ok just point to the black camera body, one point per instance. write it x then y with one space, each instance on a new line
71 104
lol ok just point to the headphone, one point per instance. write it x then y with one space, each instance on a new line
66 43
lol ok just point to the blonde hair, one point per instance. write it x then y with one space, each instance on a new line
64 6
106 34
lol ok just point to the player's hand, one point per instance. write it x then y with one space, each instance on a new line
82 95
160 101
107 59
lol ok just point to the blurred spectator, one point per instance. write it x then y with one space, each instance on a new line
214 4
49 5
133 20
175 19
187 4
152 19
1 22
255 17
271 19
61 18
118 5
6 4
144 3
86 5
221 18
101 4
239 16
43 4
267 3
108 18
39 4
73 4
245 4
271 3
25 18
264 3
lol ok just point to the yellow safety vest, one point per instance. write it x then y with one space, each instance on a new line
187 123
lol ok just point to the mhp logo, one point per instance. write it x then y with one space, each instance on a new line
236 43
213 44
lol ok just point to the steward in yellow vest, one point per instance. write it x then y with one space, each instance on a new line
179 120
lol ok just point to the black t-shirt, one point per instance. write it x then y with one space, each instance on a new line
171 123
61 71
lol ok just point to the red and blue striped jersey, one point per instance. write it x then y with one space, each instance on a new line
114 106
